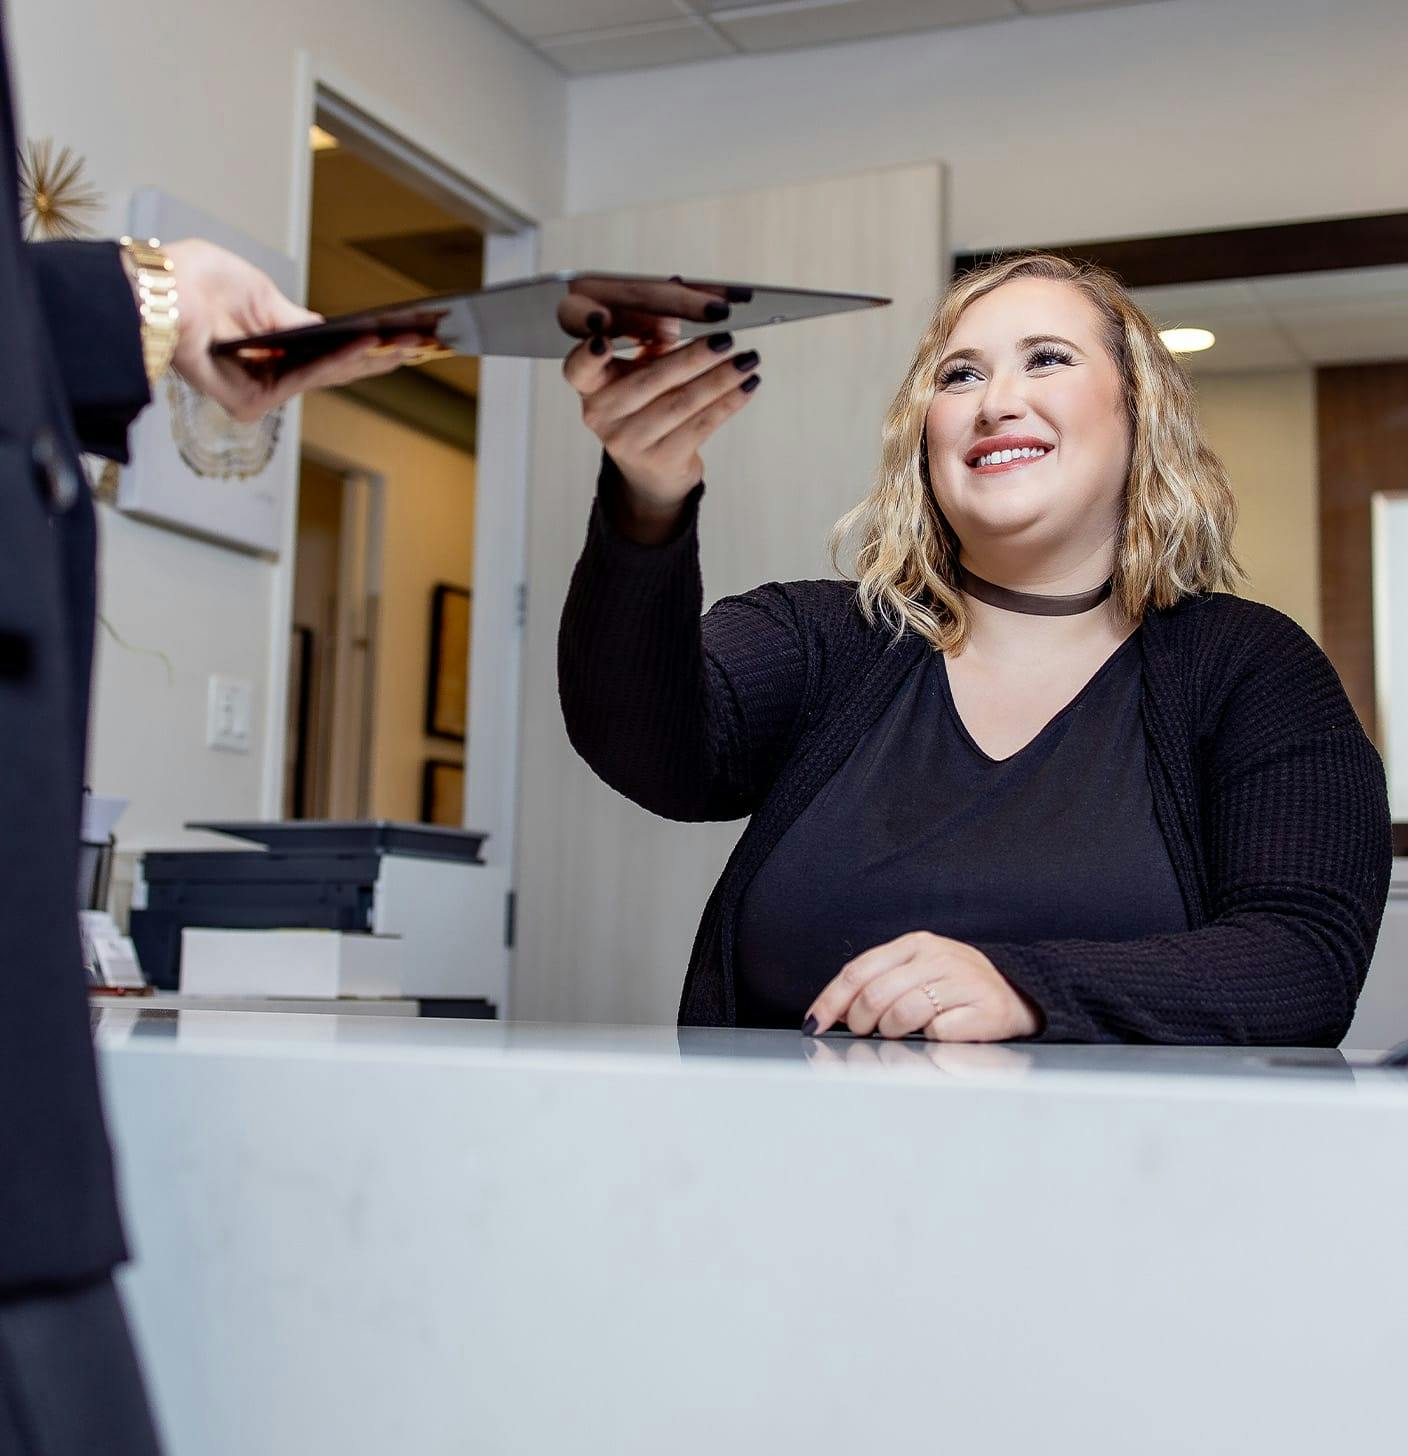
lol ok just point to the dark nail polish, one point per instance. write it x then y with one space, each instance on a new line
675 278
809 1026
740 295
596 322
715 311
719 342
746 361
751 383
598 346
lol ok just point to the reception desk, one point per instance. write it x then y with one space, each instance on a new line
358 1236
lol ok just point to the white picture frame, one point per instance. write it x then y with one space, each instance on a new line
158 486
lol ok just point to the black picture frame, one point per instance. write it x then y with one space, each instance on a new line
447 685
442 792
300 671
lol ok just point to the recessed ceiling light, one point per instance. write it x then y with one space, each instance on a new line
1187 341
320 140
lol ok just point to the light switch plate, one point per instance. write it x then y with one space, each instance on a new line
229 708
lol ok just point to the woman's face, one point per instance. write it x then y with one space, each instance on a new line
1027 368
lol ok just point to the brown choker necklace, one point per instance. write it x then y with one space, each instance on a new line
1032 603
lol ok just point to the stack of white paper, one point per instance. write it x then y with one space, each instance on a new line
289 963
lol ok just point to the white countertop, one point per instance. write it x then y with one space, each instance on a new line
357 1235
666 1050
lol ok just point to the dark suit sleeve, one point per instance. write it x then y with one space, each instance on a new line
96 336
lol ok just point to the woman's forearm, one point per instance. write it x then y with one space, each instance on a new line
687 716
1255 979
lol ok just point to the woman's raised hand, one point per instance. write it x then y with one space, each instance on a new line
654 412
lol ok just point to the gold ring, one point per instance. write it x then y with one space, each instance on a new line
934 1001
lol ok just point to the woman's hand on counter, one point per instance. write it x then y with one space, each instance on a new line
654 413
928 983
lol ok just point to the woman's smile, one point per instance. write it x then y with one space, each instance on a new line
998 453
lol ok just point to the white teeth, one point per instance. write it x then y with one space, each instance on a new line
1002 457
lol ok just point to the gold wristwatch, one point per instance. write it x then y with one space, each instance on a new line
154 281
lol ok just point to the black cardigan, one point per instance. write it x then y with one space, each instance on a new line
1269 794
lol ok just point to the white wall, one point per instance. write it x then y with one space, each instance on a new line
1390 517
1262 424
1156 118
202 99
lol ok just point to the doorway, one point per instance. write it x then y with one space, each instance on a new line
386 515
333 642
475 428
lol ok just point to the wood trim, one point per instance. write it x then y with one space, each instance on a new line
1374 241
1362 427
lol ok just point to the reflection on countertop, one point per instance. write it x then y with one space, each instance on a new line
661 1049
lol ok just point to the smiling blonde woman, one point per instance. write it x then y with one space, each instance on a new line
1035 773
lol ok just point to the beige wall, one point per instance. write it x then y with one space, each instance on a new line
427 537
1262 424
609 895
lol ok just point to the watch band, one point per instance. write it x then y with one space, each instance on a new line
154 280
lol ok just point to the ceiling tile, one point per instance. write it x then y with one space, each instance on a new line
1244 344
1334 286
1298 319
537 19
785 26
1192 303
1336 334
627 50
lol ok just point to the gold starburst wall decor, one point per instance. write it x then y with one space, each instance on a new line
56 200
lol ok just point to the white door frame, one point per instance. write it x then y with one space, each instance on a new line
511 248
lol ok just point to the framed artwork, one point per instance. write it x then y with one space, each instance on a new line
296 738
194 468
442 793
447 691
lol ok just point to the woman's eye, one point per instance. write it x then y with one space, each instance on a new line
1037 359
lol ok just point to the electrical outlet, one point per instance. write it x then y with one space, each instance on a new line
229 708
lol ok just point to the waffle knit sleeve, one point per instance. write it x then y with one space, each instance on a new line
689 717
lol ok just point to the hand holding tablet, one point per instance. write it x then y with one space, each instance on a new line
529 318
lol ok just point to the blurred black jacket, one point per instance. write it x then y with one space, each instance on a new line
71 378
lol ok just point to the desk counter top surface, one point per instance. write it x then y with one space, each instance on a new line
670 1051
364 1235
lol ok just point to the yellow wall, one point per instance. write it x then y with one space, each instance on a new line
427 537
1262 424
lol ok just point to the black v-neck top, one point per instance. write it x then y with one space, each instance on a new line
920 829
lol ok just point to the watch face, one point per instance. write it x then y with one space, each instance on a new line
213 443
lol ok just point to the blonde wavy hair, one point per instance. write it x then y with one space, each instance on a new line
1175 536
